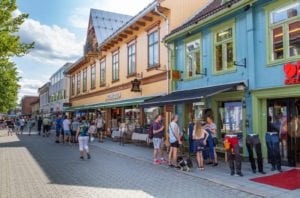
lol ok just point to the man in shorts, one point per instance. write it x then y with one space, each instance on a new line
67 132
100 125
158 134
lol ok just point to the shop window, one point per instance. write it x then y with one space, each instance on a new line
102 73
132 118
73 85
150 114
153 49
78 82
84 80
131 59
284 28
93 77
115 63
224 48
231 117
193 57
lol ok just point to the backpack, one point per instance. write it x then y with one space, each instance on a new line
150 133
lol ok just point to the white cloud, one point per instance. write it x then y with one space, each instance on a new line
53 44
80 15
29 87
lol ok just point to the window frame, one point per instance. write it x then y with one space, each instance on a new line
154 30
215 30
284 24
102 82
133 56
115 63
78 83
195 37
73 85
84 80
93 76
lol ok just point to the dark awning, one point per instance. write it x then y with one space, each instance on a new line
191 95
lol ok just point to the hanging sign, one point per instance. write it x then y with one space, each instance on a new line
292 73
136 85
176 75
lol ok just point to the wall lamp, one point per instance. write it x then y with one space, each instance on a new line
241 64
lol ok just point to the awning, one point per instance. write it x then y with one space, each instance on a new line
111 104
191 95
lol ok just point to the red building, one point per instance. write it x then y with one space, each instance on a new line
26 104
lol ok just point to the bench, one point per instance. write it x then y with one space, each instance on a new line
221 149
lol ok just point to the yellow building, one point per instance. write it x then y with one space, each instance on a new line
125 62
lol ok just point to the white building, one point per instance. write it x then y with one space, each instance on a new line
44 98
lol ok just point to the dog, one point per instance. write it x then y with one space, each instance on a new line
184 164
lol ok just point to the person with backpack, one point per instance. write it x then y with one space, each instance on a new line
157 132
175 140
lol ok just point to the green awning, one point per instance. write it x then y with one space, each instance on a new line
111 104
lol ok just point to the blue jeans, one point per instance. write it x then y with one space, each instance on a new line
210 144
272 141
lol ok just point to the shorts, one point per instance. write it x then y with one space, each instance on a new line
83 143
175 144
67 132
99 130
157 143
199 145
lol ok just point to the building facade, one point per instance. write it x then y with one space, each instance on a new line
238 60
44 99
130 66
35 108
26 104
59 90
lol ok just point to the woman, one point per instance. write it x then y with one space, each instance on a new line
200 137
211 128
82 135
174 140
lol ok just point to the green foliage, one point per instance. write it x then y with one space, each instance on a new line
10 46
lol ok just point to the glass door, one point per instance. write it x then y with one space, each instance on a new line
294 133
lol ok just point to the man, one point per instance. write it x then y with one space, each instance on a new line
66 128
22 124
74 127
45 127
58 127
158 134
100 124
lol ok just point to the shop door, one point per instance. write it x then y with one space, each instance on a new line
283 117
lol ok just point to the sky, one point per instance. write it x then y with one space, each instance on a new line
58 28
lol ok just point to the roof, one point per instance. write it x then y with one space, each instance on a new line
105 23
66 66
212 8
191 95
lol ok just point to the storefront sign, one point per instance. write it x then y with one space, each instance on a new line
169 108
136 85
292 73
67 104
176 75
113 96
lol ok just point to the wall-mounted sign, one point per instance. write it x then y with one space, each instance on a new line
113 96
292 73
136 85
176 75
169 108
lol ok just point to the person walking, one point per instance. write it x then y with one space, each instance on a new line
100 125
200 137
66 129
175 140
39 125
211 128
22 125
74 127
10 127
92 130
18 127
30 125
58 128
158 134
82 136
45 126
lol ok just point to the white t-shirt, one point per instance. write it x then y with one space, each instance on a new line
99 122
66 124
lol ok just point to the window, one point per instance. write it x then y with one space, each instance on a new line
153 49
84 80
193 57
224 49
284 28
93 77
102 73
131 59
115 62
73 85
78 82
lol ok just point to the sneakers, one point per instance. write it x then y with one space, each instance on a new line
88 156
156 162
81 157
163 161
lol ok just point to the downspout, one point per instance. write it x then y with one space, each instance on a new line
168 62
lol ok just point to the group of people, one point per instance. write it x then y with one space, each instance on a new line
18 125
202 139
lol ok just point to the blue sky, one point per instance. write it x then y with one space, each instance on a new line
58 28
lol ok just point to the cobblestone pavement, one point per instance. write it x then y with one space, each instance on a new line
33 166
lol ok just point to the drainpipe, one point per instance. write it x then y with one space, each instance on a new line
167 23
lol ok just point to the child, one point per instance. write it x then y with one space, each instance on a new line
200 137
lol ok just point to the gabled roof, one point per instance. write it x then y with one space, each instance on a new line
105 23
212 8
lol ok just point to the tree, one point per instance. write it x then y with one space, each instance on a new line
10 46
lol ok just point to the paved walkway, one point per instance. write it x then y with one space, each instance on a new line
219 174
33 166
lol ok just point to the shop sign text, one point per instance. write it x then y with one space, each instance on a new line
113 96
292 73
